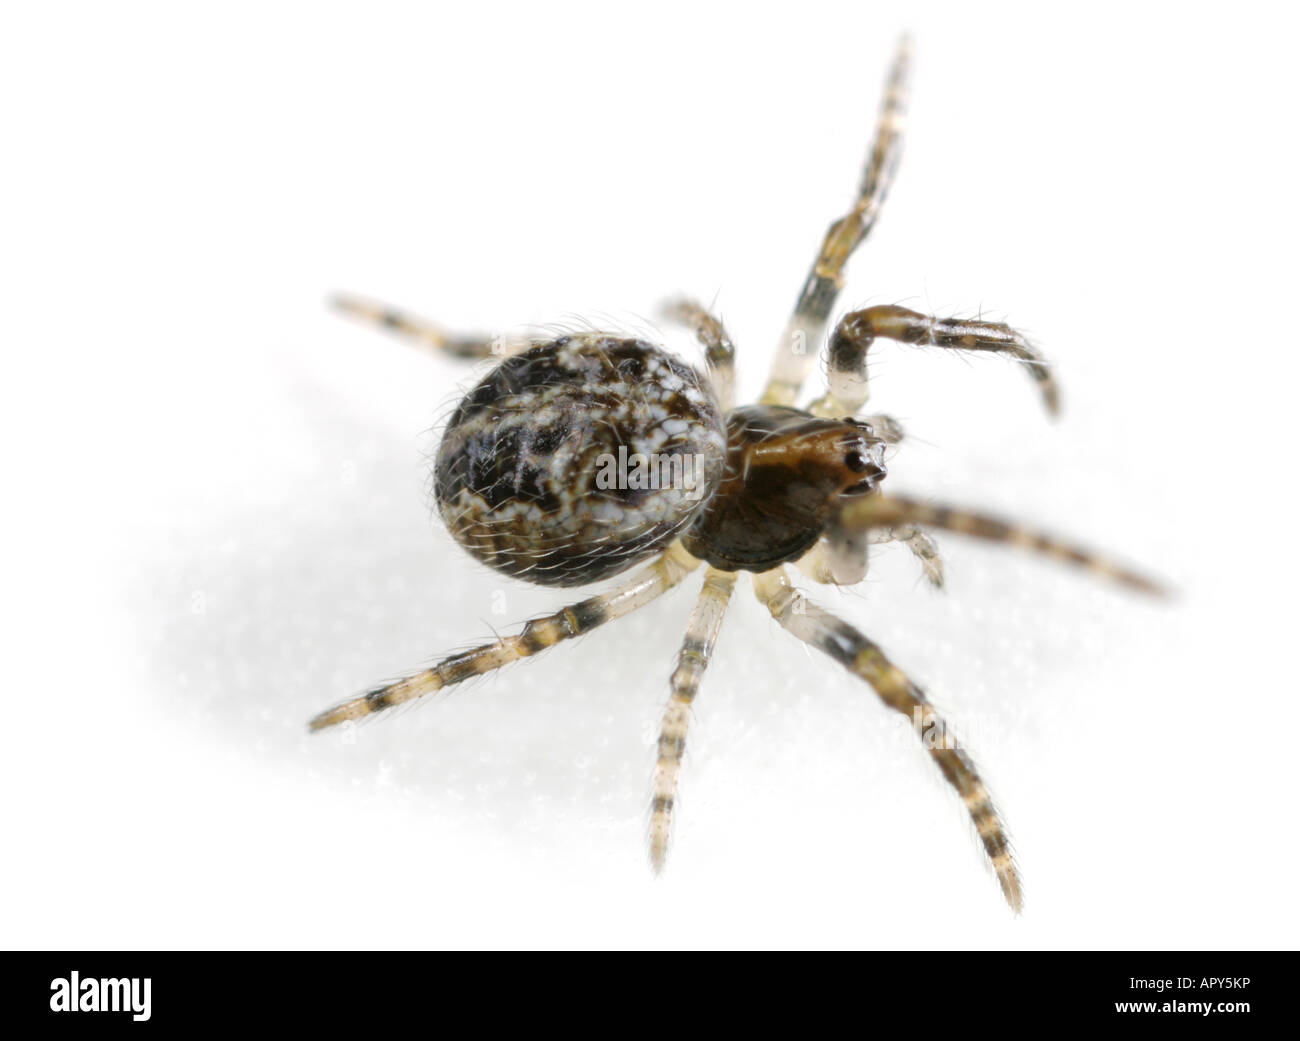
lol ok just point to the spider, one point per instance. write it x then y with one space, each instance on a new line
518 482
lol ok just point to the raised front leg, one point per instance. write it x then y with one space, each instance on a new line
857 331
801 341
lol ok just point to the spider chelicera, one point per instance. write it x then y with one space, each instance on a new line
581 456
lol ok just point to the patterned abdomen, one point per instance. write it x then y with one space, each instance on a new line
578 458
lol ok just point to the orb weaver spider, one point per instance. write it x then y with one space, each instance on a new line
518 483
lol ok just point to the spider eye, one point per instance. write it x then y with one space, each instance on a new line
857 462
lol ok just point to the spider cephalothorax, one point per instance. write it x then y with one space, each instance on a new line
787 474
569 463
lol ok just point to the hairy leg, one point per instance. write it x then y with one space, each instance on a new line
891 511
801 341
857 331
427 333
646 585
718 348
820 629
922 546
692 660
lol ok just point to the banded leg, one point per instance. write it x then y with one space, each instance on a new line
922 546
692 660
425 332
803 335
539 634
893 511
718 348
820 629
856 332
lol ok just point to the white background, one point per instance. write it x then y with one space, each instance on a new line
217 520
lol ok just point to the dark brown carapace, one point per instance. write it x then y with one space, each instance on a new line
788 473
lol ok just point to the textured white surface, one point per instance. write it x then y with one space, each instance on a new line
222 524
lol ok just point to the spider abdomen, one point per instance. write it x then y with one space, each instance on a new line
578 458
